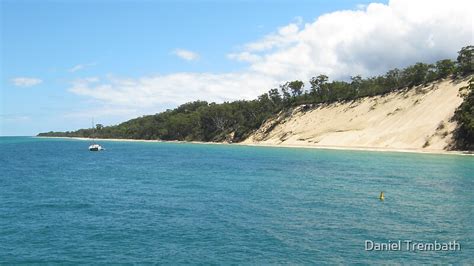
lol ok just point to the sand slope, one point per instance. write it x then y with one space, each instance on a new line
417 119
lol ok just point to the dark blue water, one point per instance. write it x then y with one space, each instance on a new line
191 203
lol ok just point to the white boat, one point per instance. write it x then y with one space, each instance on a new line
96 147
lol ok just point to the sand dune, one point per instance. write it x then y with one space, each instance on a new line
416 119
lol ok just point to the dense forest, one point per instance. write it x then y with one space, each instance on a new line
234 121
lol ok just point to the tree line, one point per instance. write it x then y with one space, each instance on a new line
234 121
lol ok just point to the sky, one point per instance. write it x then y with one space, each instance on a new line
64 63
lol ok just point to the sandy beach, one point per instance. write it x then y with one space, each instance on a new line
327 147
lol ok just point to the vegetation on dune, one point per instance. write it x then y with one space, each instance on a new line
234 121
464 115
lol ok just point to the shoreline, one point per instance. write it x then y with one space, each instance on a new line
321 147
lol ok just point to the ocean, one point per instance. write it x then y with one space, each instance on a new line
140 202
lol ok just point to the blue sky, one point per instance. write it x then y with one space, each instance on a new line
64 62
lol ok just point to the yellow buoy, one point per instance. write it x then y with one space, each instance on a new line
381 197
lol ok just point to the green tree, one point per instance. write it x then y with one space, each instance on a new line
275 96
191 106
431 74
338 91
296 87
465 60
285 91
445 67
356 84
416 74
318 87
265 104
393 79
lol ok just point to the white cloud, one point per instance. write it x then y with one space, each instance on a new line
186 54
25 81
361 6
80 67
367 41
244 57
104 112
284 37
172 89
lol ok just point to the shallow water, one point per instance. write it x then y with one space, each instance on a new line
194 203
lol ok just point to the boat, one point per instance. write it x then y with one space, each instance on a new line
94 146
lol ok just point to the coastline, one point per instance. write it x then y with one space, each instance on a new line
322 147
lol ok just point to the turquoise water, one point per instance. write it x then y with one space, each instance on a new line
221 204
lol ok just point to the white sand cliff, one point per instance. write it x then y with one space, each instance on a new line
416 119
